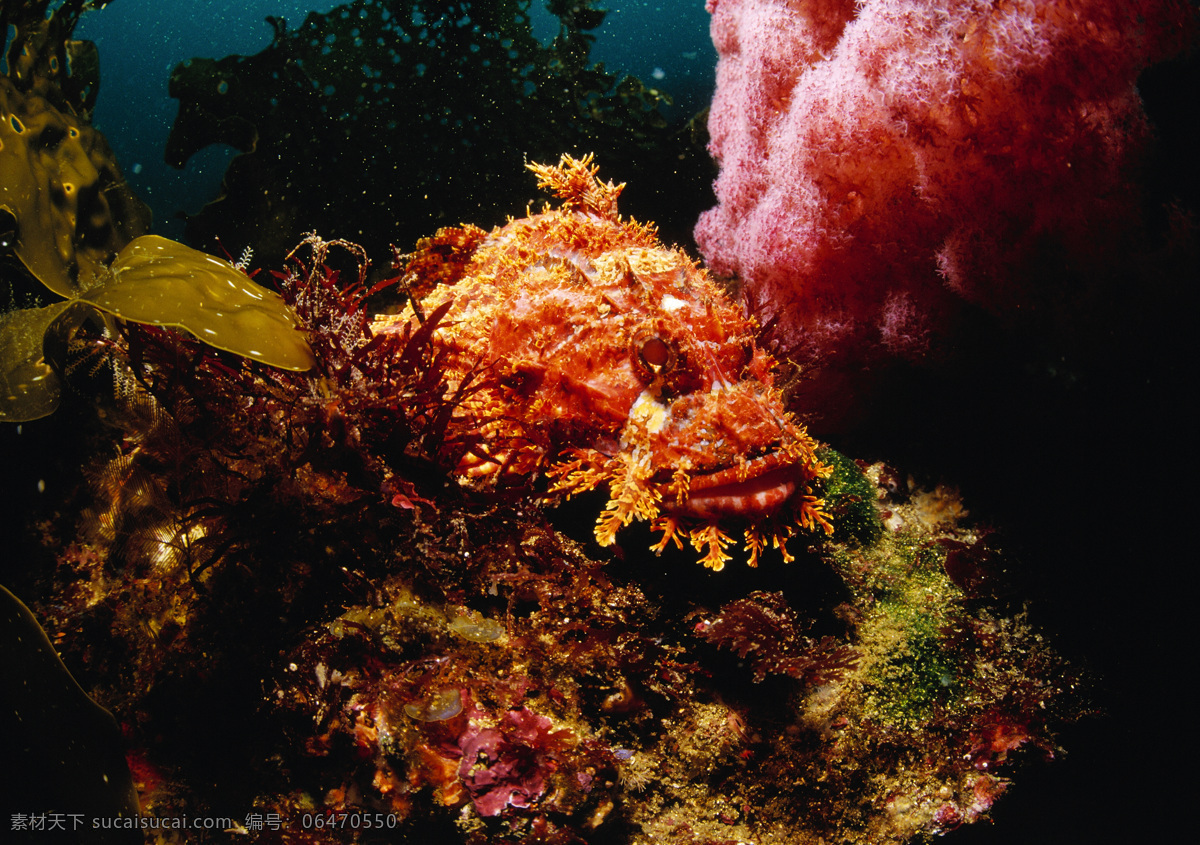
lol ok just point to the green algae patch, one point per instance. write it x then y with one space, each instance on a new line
911 672
850 499
474 626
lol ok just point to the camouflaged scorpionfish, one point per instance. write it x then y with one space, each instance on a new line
612 360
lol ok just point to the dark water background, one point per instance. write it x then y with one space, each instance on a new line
663 42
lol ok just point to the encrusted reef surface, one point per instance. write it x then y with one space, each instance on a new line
315 610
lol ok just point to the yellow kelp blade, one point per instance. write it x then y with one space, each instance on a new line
44 244
164 283
29 387
59 179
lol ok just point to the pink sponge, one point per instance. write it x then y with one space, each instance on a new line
884 162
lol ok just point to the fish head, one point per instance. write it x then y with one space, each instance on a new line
707 440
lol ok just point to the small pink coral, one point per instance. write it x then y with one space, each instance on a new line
885 162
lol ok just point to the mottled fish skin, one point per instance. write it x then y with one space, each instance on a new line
613 361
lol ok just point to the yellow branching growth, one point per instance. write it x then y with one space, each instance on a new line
672 532
587 471
780 539
680 484
711 540
634 495
812 514
631 496
573 180
754 545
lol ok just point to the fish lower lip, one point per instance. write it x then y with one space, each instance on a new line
760 495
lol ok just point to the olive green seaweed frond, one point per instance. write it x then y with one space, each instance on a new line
158 282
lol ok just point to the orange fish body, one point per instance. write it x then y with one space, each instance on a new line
610 360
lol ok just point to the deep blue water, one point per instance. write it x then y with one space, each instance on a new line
664 42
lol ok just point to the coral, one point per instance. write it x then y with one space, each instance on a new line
613 361
889 167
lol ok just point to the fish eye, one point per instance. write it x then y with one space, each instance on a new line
655 353
653 356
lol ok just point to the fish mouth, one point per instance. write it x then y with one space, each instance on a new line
758 489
